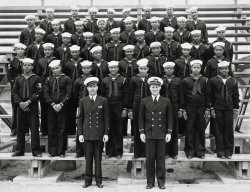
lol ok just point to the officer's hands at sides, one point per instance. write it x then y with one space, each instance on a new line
235 113
124 113
143 137
81 138
168 137
105 138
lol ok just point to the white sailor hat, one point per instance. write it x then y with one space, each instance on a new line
66 34
126 9
223 64
88 34
74 7
86 63
91 81
49 9
74 48
193 9
155 81
181 19
221 28
186 46
110 10
54 63
115 30
93 10
142 62
30 16
113 63
28 60
147 8
96 48
39 30
169 29
20 45
139 32
153 19
155 44
222 44
195 32
129 19
169 64
48 45
79 22
128 47
195 62
55 21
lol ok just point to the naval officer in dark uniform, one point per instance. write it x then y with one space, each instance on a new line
93 125
155 125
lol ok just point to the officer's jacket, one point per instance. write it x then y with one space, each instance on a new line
155 120
93 121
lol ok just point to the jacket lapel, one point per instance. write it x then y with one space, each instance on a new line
159 103
95 104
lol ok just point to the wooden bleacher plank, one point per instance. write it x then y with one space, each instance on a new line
7 144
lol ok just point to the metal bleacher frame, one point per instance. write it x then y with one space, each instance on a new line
11 24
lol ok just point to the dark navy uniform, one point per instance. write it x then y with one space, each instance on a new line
35 53
111 25
172 89
72 69
155 121
200 52
85 52
122 25
55 39
166 22
14 70
93 124
100 70
63 53
43 71
128 38
141 51
91 26
115 90
196 95
27 37
151 37
224 98
200 25
115 52
57 90
182 67
77 39
69 25
171 50
145 25
127 68
27 89
47 27
102 39
138 90
155 65
182 37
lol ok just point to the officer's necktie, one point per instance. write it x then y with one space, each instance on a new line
92 99
155 101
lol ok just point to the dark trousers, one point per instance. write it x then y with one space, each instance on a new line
14 114
79 146
212 126
224 133
155 161
182 126
93 151
44 116
172 145
57 137
195 131
139 146
26 120
114 145
71 117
